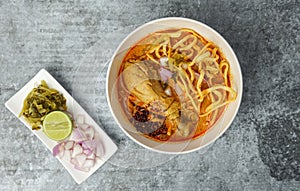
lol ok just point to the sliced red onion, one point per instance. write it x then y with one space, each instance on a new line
61 154
89 133
76 150
78 135
89 144
91 156
88 163
80 159
69 145
87 152
165 74
77 167
58 148
99 149
67 155
83 126
83 148
74 161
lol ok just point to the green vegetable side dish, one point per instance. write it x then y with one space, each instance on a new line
41 101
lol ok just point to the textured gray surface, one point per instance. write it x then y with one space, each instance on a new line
74 39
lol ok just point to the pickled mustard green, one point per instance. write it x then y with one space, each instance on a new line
41 101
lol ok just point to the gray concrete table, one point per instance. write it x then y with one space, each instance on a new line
74 39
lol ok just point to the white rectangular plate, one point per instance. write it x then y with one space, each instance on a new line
15 104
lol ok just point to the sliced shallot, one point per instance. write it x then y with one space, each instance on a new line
87 152
83 148
83 126
80 159
58 148
78 135
99 149
89 163
61 154
89 133
76 150
89 144
91 156
67 155
69 145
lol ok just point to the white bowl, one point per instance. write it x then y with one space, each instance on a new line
170 147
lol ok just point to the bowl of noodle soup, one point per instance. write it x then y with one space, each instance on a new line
174 85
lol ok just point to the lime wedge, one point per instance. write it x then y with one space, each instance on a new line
57 125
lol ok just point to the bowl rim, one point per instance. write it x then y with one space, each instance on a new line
240 82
